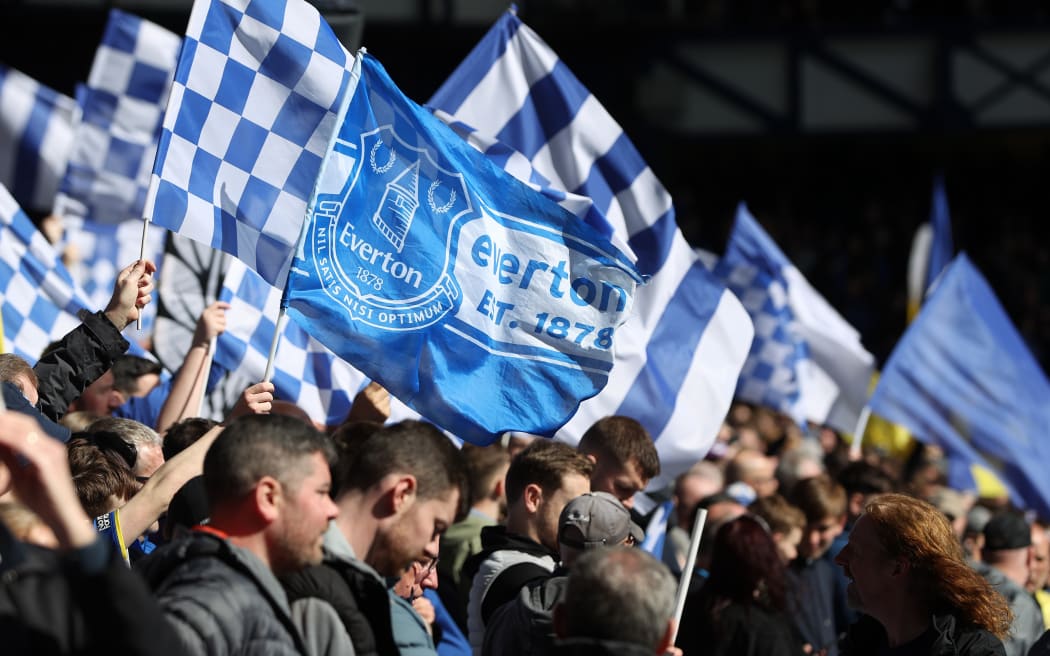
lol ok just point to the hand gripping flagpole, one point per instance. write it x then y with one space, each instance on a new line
142 256
687 571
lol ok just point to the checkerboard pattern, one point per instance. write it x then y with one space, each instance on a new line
103 192
251 112
770 376
40 300
122 105
36 134
305 372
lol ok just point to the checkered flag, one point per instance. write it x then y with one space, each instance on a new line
806 360
121 110
252 110
103 192
305 372
36 133
769 375
40 300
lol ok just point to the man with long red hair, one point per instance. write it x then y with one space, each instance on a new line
907 575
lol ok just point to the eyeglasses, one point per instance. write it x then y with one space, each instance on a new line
425 572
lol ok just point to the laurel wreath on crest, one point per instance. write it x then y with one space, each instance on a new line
430 198
372 159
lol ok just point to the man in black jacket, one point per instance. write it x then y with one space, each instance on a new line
267 479
540 481
400 487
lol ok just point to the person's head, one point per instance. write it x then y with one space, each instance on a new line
183 433
803 460
101 397
785 521
413 479
595 519
755 469
267 479
823 502
135 376
1039 568
624 457
486 473
1007 545
540 481
721 508
618 594
101 477
862 480
78 421
149 447
746 567
13 369
902 553
702 479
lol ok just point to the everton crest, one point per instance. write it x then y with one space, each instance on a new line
384 245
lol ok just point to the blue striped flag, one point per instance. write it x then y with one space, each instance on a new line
250 114
962 377
678 359
36 134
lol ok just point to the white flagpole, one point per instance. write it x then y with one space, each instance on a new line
142 256
858 433
281 316
687 572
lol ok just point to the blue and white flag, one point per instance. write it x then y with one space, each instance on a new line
472 298
678 359
656 529
40 300
121 108
250 115
962 378
932 249
305 372
36 134
103 192
806 360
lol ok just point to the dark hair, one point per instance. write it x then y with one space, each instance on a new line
545 463
819 497
183 433
484 464
12 366
412 447
865 478
98 475
126 370
745 567
625 441
254 446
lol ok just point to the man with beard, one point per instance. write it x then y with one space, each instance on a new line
399 488
268 481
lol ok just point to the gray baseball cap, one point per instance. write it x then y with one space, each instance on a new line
596 519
